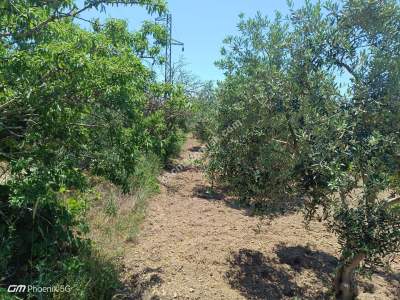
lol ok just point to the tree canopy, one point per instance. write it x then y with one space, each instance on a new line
316 96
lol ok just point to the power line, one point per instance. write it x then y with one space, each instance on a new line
167 20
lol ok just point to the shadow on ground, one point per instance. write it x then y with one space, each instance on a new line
260 278
300 258
208 193
393 277
140 285
196 149
256 277
270 208
177 168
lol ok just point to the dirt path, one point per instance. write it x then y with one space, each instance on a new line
195 247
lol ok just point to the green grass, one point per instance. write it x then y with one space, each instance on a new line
90 276
115 218
6 296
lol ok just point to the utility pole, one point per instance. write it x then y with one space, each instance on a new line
167 20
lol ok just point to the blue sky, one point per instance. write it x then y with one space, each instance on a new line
201 25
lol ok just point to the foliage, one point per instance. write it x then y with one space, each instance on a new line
24 19
185 78
272 95
147 170
114 217
204 112
73 103
6 296
299 132
86 275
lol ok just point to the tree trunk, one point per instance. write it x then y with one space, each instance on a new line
345 285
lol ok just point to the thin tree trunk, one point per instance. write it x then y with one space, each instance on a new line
292 133
345 285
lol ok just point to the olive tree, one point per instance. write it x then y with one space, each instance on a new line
276 87
317 97
364 43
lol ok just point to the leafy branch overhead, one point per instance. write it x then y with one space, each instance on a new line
26 18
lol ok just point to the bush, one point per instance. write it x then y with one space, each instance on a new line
89 276
204 112
62 120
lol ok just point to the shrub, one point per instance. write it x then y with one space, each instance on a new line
204 109
73 103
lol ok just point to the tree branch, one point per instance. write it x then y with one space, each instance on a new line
347 67
73 13
7 103
392 201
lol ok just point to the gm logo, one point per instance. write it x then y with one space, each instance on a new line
13 288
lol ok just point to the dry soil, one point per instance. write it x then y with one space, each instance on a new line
196 244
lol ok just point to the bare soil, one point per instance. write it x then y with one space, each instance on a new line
195 244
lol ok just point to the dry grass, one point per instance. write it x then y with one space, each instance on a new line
115 218
4 172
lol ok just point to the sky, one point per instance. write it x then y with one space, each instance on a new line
200 25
